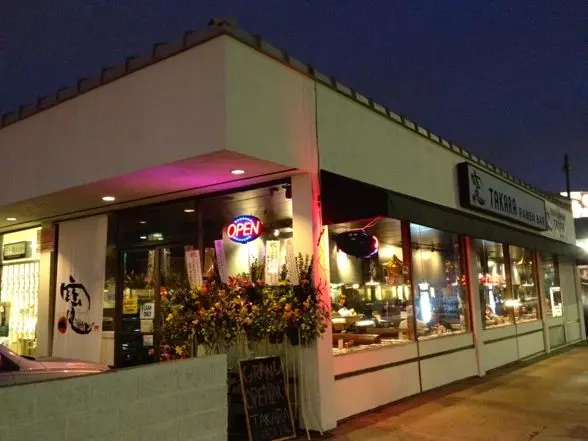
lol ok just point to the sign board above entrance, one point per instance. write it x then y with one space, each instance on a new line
17 250
244 229
484 192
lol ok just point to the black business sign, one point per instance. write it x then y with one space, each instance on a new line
481 191
267 408
17 250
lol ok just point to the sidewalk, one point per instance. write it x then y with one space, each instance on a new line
545 400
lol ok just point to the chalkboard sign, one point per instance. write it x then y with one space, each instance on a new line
267 409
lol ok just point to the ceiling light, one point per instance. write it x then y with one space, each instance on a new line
142 222
237 171
189 210
143 237
108 198
10 219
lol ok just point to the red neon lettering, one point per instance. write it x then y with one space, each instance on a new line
231 230
246 229
240 227
255 227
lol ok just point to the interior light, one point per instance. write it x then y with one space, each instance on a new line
424 286
143 237
108 198
142 222
237 171
189 210
276 233
10 219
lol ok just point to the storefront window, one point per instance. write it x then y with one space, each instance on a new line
371 295
170 249
495 295
523 274
440 285
19 291
551 286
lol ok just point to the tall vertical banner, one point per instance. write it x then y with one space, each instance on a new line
81 259
272 262
291 263
221 260
193 267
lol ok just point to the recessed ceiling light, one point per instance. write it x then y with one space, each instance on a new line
10 219
108 198
142 222
237 171
189 210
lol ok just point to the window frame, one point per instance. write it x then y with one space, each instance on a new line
463 260
13 366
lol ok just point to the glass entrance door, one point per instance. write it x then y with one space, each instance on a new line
146 274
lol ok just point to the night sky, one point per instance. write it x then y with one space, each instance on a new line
507 80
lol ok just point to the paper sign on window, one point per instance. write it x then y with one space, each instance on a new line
272 262
221 260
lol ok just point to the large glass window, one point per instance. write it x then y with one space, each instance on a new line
551 286
440 284
525 303
19 291
371 295
159 247
495 295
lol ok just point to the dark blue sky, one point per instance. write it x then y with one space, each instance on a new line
507 80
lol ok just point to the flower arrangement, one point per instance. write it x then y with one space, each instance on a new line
216 315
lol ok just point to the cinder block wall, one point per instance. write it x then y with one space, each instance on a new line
176 401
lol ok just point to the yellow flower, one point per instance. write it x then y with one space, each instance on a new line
179 350
169 317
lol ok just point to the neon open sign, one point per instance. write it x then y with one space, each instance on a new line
244 229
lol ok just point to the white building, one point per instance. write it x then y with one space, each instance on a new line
485 262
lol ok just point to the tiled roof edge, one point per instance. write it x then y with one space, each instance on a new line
216 28
159 52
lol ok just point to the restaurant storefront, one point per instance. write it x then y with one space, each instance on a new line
443 296
430 264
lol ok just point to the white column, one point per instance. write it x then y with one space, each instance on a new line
45 311
564 314
318 385
542 302
475 305
46 298
579 301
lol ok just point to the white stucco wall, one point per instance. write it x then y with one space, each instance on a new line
223 94
183 400
359 143
169 111
270 109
